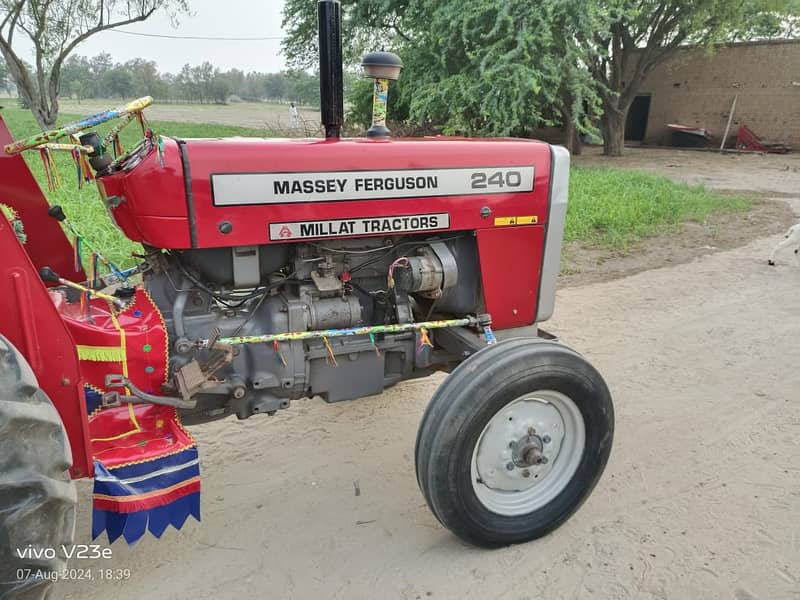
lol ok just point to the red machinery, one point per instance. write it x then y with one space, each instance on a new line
281 269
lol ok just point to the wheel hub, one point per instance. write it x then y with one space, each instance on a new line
513 444
527 452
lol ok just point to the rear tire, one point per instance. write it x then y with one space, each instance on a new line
514 441
37 496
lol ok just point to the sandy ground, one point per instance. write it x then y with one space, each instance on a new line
700 499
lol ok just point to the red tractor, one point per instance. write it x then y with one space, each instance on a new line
275 270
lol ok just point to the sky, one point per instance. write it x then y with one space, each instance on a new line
209 18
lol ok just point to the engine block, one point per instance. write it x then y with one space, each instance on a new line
254 290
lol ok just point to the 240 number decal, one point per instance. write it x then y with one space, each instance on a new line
498 179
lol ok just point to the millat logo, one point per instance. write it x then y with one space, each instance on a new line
285 232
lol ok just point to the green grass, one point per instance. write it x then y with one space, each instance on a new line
615 208
608 207
83 207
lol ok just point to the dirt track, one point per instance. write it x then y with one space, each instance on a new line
700 499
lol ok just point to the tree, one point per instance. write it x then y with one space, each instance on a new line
220 87
276 86
100 66
478 66
119 82
145 79
302 87
187 88
472 66
3 76
367 24
483 67
76 77
644 33
56 28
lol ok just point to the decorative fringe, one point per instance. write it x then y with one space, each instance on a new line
281 360
85 305
50 170
16 222
82 167
76 154
331 355
132 499
117 145
95 279
86 168
101 353
76 248
424 340
159 143
374 345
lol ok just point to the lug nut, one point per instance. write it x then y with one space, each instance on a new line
526 473
510 466
546 439
544 460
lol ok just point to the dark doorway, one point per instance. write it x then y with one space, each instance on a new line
636 123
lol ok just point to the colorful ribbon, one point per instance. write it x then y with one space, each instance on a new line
136 106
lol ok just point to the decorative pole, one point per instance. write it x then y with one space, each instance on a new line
382 67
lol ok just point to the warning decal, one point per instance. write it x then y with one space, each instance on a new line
235 189
358 226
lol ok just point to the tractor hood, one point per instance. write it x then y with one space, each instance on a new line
242 191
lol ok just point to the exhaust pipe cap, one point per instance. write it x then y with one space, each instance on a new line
382 65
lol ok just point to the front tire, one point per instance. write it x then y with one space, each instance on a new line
37 496
514 441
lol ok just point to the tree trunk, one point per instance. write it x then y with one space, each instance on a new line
572 136
569 136
577 142
45 116
613 126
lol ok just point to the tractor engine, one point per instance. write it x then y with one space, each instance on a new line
252 290
246 239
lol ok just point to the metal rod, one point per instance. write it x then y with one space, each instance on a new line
68 147
77 286
330 333
331 87
728 126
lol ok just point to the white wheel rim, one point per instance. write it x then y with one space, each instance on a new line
557 423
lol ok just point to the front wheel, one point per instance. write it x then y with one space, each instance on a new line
514 441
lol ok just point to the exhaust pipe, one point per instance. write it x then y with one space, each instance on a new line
331 92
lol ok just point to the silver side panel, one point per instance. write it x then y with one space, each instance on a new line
551 264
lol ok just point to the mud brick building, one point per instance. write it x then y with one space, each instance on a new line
696 88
